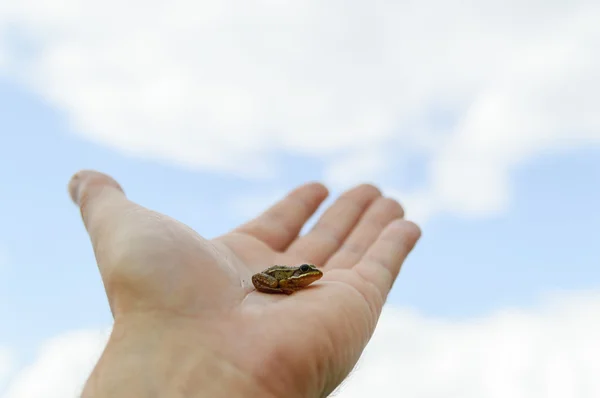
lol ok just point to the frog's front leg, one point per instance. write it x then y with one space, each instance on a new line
288 287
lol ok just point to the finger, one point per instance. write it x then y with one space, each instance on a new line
102 204
381 264
335 224
123 233
377 217
142 254
110 219
281 224
90 190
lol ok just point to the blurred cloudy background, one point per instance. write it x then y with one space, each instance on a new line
481 117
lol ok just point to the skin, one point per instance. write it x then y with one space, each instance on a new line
188 321
287 280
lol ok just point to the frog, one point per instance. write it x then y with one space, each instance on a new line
285 279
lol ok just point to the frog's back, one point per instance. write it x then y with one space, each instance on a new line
279 267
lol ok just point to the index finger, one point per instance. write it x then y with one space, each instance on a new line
279 225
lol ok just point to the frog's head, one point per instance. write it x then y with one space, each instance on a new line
306 274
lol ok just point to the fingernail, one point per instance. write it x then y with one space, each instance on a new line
74 185
84 178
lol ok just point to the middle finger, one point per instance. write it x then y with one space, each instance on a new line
335 224
382 212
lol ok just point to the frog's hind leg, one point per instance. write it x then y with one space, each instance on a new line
265 289
264 280
265 283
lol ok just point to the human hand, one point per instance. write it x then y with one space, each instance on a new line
188 320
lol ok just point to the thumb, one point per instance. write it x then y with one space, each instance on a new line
102 203
139 252
123 233
128 239
89 187
120 230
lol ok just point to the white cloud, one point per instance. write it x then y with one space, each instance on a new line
543 352
355 167
5 365
251 205
229 86
61 368
549 351
418 205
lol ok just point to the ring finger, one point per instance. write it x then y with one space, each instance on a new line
382 212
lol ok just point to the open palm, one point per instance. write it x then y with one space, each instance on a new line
156 268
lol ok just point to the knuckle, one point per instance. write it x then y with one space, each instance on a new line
325 229
354 248
302 202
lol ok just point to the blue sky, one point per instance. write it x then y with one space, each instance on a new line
490 139
460 268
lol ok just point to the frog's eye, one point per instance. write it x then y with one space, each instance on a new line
304 268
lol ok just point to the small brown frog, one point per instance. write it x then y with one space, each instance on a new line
284 279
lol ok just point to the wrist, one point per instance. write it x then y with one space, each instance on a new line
146 361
